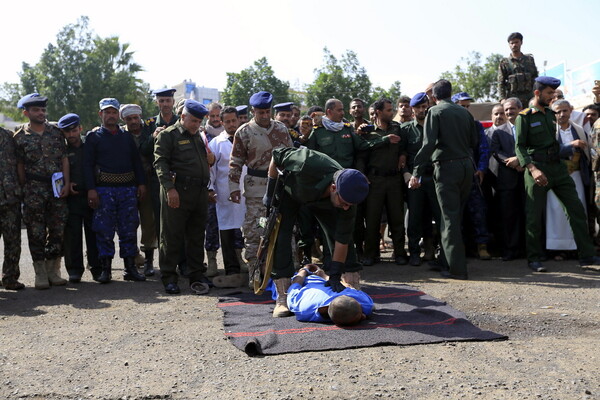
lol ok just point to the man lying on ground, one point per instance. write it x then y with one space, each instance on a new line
310 300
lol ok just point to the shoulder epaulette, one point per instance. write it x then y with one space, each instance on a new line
150 121
347 124
526 111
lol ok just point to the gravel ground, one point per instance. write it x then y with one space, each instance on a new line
129 340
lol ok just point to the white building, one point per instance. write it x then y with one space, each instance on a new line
188 89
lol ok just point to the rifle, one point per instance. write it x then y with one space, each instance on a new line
261 270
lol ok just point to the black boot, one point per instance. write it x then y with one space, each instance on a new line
149 262
105 275
131 273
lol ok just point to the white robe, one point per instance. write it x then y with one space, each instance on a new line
229 214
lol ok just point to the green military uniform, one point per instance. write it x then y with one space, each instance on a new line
342 146
80 214
516 77
44 215
450 139
421 198
536 143
10 209
181 163
385 190
310 173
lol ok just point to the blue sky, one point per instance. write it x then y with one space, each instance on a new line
395 40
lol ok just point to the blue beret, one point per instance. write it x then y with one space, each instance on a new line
32 99
461 96
68 121
548 81
283 106
195 108
109 102
418 98
352 186
261 99
164 92
242 110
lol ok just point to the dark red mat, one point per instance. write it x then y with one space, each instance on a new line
403 315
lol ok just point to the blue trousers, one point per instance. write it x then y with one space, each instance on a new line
117 212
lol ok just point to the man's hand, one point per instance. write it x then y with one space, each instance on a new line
173 198
335 282
157 131
210 157
596 91
72 190
402 161
538 176
64 192
480 175
235 196
580 144
141 192
393 138
212 196
93 199
512 162
414 183
407 177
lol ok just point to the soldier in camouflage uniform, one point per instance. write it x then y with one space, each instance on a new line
41 152
10 212
252 146
517 72
115 180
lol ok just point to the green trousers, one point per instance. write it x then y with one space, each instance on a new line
563 187
453 181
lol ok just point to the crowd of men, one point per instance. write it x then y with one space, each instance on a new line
199 178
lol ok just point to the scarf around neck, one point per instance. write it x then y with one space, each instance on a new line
332 126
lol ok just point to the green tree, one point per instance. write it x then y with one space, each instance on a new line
342 79
476 76
260 76
393 93
82 68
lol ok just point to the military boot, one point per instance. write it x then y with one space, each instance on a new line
106 274
240 258
41 275
429 249
281 308
482 251
130 273
211 268
229 281
149 262
352 279
53 271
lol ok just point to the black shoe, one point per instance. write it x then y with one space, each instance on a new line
594 260
106 273
130 272
13 285
149 262
449 275
204 280
74 278
536 266
172 288
415 260
401 260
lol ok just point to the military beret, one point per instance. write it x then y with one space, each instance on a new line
283 106
548 81
109 102
168 92
32 99
418 98
68 121
130 109
242 110
261 99
352 186
195 108
461 96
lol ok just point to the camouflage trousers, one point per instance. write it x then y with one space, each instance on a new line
117 212
10 229
212 241
254 210
45 217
